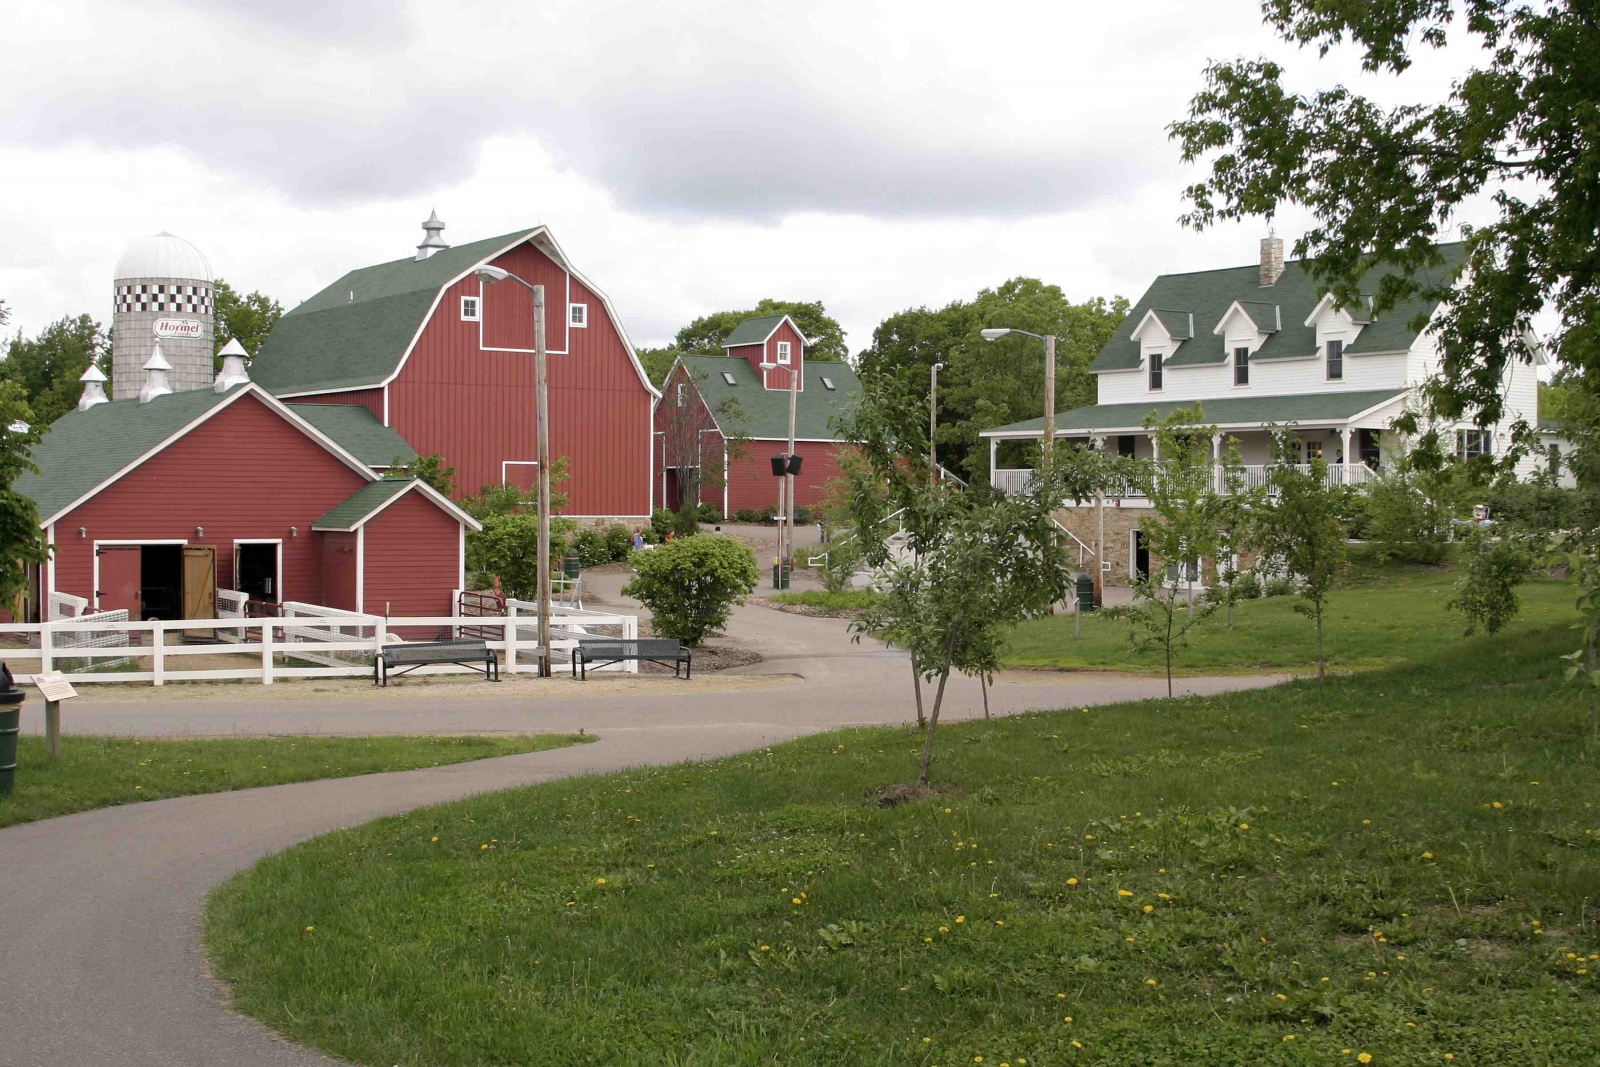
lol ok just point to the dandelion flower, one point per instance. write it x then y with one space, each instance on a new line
999 922
1164 896
1366 822
927 939
599 881
482 847
766 948
1149 981
1364 1057
1427 855
1497 804
1288 1037
1072 881
1077 1044
944 929
927 1041
1124 893
1244 826
961 918
1148 908
1069 1018
435 839
310 928
1062 996
796 900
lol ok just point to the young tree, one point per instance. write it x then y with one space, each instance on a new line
431 469
1304 528
48 366
1234 513
691 585
1579 552
1414 501
1181 530
1386 184
21 540
244 317
1487 593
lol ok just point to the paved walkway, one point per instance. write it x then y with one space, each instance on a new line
99 950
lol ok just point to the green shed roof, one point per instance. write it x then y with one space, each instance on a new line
86 448
359 506
354 333
763 414
358 431
1209 294
1226 411
754 331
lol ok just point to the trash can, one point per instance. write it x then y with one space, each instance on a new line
1085 592
780 574
571 565
11 698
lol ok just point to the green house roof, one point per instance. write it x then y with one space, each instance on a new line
1226 411
754 331
1209 294
360 505
86 448
746 408
358 431
354 333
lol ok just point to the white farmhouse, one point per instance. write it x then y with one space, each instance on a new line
1260 349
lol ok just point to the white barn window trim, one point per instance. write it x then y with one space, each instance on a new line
578 316
471 309
784 352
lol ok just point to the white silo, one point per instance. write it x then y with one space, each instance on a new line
165 293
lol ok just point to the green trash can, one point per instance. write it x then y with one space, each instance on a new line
571 565
780 575
11 699
1085 592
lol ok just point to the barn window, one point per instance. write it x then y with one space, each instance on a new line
470 309
578 315
827 383
783 351
728 378
683 393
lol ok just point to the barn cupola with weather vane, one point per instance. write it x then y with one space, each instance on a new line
433 242
164 292
773 345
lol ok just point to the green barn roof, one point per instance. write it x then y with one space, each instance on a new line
754 331
358 432
359 506
744 407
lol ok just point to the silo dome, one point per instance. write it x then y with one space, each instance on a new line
163 256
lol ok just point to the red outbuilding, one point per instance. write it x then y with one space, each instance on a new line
445 359
723 418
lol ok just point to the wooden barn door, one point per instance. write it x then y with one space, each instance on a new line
117 580
200 585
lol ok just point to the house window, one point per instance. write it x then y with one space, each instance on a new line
1313 450
827 383
470 309
683 393
1127 445
1470 443
728 378
1335 361
783 351
1241 366
578 315
1155 370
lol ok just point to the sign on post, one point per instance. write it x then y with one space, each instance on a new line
55 688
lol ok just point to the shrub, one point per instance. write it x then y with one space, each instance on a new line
661 523
747 515
690 585
710 513
1409 511
592 548
841 560
1487 592
1281 585
802 515
619 541
686 523
507 548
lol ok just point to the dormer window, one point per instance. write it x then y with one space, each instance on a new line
1241 366
471 309
827 383
1335 361
578 315
727 377
683 393
783 351
1155 370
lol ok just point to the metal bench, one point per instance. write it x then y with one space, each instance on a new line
648 650
465 652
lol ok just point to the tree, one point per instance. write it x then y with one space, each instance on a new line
1579 552
986 384
48 366
1487 593
691 585
21 541
1181 531
431 469
684 428
1385 185
1413 504
507 550
1303 530
657 362
1234 512
704 335
243 317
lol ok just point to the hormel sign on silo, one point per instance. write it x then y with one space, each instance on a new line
178 327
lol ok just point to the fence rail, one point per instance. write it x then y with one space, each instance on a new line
1256 475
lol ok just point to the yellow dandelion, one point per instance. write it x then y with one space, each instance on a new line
1497 804
766 948
961 918
1244 826
310 928
435 839
1364 1057
999 922
1288 1037
482 847
1427 855
927 939
1072 881
1149 981
1069 1018
1366 822
1124 893
1061 996
1077 1044
599 881
927 1041
1164 896
1148 908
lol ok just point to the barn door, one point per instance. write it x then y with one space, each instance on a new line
117 578
200 584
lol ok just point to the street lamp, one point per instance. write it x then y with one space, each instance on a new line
1049 379
933 418
786 486
488 275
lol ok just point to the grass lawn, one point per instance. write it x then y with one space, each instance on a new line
1380 617
96 772
1395 863
846 600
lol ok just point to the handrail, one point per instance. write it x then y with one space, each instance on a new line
1081 546
811 561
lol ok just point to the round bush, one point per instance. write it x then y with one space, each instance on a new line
691 584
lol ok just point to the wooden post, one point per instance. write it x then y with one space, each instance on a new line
158 647
266 651
52 730
46 647
511 638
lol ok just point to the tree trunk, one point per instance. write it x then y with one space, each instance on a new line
1168 643
916 684
933 722
984 679
1322 673
1594 696
1230 605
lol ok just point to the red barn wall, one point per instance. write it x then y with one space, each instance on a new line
412 558
338 555
243 473
371 399
750 480
477 407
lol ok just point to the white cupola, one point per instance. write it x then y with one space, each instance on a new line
233 371
156 383
94 390
433 242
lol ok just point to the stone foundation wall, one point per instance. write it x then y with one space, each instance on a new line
1120 524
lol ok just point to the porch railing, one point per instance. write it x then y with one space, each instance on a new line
1016 480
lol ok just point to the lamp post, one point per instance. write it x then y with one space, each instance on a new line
1049 379
933 418
786 485
489 275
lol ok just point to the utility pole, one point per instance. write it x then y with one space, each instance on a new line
1049 394
933 419
786 560
541 371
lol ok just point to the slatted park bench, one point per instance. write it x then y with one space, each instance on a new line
600 653
463 652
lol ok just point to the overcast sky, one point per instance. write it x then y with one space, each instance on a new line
689 156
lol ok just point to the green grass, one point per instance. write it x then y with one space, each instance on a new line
96 772
847 600
1424 838
1381 616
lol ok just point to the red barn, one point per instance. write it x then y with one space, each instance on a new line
152 505
445 360
743 398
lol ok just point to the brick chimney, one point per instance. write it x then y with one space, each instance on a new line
1271 260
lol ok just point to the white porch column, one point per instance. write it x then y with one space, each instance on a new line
1155 446
1344 434
1216 461
994 443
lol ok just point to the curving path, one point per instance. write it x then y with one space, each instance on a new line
100 961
